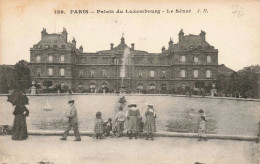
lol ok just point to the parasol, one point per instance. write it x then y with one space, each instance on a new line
17 97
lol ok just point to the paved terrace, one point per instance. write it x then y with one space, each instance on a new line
165 150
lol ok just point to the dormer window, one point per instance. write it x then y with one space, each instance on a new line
191 47
47 46
39 46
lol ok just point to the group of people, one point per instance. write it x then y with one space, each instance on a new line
132 118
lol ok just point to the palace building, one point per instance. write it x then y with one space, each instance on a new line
179 65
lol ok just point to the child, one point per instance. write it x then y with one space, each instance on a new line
120 119
141 125
107 127
98 125
202 129
149 125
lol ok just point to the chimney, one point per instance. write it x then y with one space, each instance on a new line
132 46
44 33
163 49
181 35
65 34
111 46
74 42
203 35
81 49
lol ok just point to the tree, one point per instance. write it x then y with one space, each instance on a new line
199 84
6 79
249 82
22 79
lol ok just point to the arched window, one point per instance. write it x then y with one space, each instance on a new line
104 85
152 86
80 85
140 86
164 86
92 85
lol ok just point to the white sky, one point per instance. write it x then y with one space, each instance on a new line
236 37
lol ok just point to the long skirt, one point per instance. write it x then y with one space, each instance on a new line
98 128
20 128
149 126
132 124
202 133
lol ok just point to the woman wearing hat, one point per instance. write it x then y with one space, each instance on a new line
132 116
149 125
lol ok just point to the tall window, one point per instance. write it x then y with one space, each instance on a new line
183 58
208 74
62 58
62 72
38 58
50 58
163 74
92 73
80 73
152 74
105 60
38 71
151 60
140 74
195 73
104 72
183 73
50 71
116 61
208 59
196 59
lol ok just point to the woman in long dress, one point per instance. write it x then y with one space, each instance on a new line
19 126
149 126
132 116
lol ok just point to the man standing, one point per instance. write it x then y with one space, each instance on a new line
73 122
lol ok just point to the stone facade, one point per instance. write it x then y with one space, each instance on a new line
180 65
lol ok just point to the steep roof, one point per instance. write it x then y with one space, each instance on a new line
193 40
120 48
189 42
54 39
